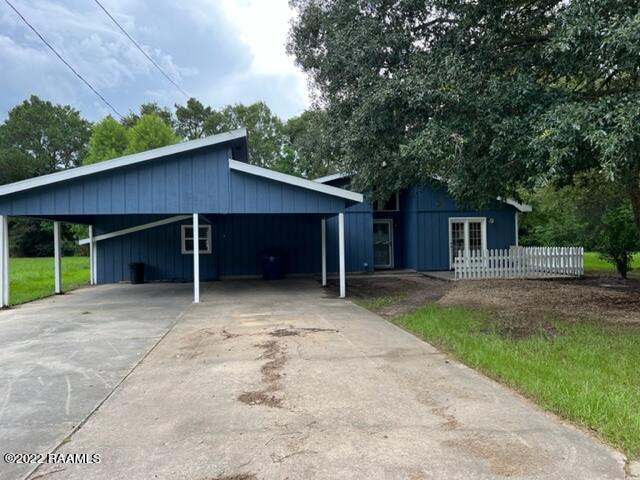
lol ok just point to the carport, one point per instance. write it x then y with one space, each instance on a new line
190 212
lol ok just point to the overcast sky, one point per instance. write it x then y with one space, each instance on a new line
219 51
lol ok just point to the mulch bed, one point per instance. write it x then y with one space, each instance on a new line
522 307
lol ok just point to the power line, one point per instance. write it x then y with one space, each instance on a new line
75 72
153 62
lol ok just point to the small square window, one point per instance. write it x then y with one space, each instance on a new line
204 239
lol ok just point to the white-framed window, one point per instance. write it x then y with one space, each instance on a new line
391 204
466 234
204 239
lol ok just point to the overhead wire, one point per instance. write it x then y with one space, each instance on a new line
69 66
137 45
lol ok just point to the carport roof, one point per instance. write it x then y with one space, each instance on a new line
196 176
148 155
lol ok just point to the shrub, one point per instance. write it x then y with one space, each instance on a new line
619 239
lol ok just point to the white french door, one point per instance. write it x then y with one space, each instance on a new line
466 234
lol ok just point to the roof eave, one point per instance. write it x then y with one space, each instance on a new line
123 161
296 181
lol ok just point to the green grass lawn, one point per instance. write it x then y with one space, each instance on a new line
587 373
32 278
593 263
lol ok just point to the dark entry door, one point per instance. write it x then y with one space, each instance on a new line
383 243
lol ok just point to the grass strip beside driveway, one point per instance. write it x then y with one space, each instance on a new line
32 278
585 372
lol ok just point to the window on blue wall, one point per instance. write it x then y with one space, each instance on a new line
391 204
204 239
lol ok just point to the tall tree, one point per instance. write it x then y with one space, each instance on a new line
192 118
150 108
267 141
39 137
489 95
309 150
150 131
108 140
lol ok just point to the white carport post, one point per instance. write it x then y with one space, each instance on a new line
343 283
92 257
323 235
4 261
57 262
196 260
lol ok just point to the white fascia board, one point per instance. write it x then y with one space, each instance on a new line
295 181
137 228
121 161
331 178
522 207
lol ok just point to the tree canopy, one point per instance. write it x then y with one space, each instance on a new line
108 140
39 137
491 96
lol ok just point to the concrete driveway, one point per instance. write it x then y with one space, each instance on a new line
275 380
61 356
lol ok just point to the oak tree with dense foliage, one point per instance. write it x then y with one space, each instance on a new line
490 96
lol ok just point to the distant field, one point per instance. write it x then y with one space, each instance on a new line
32 278
593 263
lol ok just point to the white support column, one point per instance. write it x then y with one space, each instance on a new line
4 261
57 259
323 235
92 254
196 260
343 283
517 229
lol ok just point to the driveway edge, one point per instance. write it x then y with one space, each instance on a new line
29 474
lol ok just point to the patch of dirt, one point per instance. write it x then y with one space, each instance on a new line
237 476
505 456
227 335
523 308
451 422
261 397
294 332
402 293
272 372
285 332
532 302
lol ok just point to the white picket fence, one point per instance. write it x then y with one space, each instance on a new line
519 262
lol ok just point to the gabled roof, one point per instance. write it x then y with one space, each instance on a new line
522 207
296 181
126 160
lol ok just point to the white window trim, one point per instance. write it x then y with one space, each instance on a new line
466 220
183 230
391 245
397 209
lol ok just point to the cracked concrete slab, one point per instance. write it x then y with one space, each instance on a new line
61 356
272 380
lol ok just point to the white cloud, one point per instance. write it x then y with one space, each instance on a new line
264 27
220 51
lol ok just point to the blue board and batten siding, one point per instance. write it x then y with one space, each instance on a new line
198 181
420 229
426 213
238 242
249 215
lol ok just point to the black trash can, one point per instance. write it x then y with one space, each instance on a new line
136 271
272 266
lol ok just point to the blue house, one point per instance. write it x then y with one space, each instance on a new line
155 207
420 228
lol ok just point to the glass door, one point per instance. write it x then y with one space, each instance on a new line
383 244
457 241
466 234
